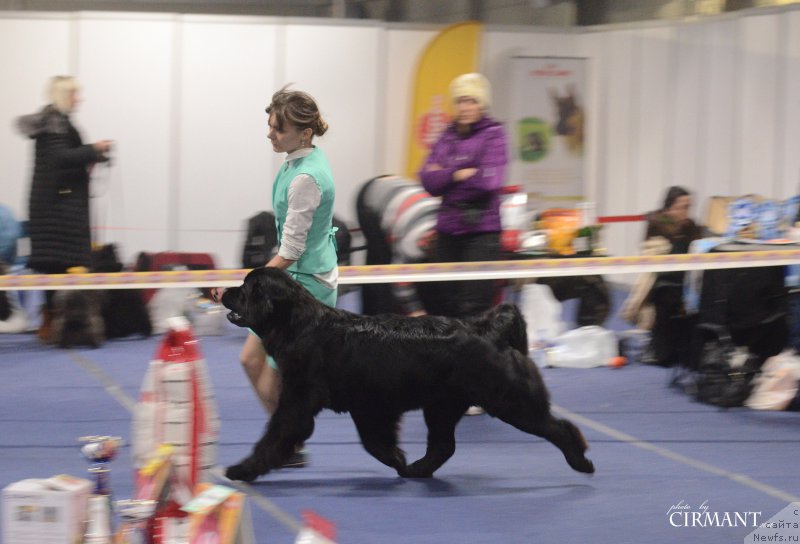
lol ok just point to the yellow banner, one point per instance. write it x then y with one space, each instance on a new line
454 51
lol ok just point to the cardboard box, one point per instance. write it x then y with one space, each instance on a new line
45 511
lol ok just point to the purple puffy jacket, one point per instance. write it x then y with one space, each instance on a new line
472 205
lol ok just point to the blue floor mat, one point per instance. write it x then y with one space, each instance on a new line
653 447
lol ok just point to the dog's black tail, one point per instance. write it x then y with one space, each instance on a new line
504 326
513 327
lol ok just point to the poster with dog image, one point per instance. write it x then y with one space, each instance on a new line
547 126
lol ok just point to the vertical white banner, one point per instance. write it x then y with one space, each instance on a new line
546 125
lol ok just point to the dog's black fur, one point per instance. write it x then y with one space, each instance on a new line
378 367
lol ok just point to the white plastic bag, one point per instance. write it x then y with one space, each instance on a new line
585 347
168 303
208 318
776 387
542 313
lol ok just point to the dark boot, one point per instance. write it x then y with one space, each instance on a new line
45 332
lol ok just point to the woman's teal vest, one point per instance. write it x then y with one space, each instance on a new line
320 254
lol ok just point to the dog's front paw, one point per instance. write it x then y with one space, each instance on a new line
243 472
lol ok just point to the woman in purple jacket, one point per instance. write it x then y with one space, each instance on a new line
466 167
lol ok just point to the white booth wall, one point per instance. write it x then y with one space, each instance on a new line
711 105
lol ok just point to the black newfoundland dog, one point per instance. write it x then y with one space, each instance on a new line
378 367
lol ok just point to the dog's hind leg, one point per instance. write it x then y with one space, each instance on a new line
514 392
378 432
562 433
441 420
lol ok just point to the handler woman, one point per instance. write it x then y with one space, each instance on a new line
302 198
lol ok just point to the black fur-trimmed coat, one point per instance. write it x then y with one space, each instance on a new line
58 212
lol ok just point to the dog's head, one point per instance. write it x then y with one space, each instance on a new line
265 296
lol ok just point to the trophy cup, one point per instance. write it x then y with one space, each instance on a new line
134 512
99 451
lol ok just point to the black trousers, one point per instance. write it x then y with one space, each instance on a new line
464 298
672 330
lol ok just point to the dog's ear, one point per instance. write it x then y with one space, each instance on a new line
256 300
279 286
270 293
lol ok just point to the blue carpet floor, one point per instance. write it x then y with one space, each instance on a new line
653 446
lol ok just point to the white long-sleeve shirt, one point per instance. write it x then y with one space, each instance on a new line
304 198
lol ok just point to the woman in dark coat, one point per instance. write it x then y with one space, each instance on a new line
58 212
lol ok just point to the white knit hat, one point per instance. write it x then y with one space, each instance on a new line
472 86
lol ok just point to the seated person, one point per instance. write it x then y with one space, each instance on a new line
671 327
672 221
670 230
